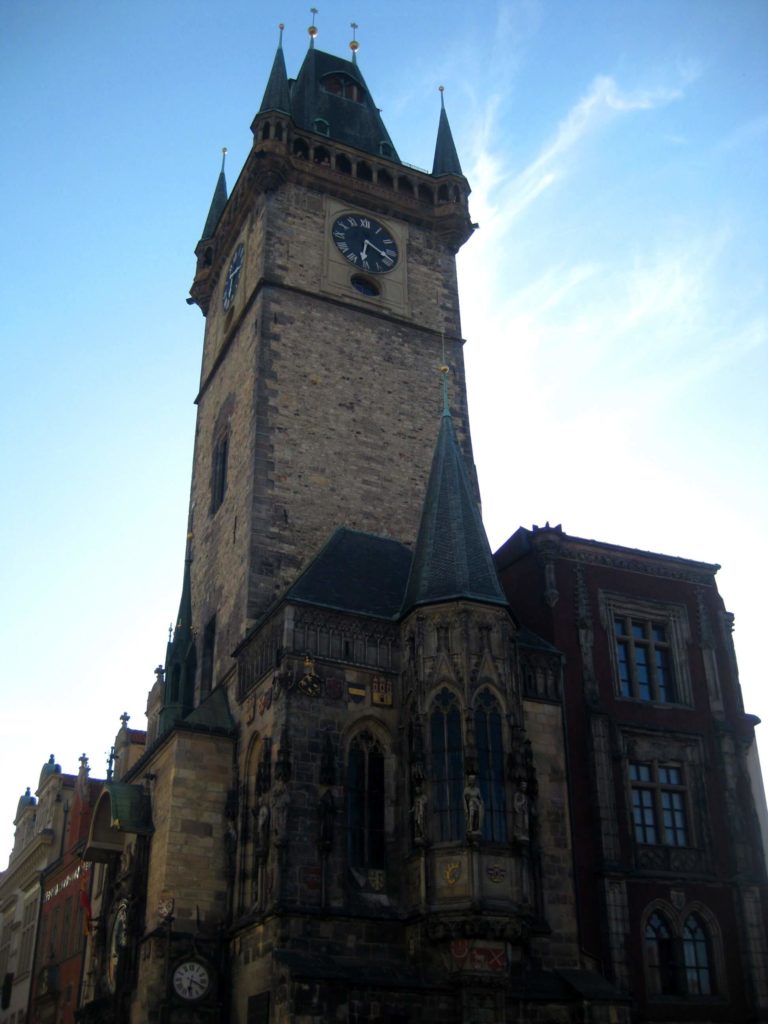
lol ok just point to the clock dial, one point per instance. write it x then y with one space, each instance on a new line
191 980
233 276
365 243
117 939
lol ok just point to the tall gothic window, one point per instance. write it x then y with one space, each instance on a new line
696 957
447 767
365 803
490 760
660 950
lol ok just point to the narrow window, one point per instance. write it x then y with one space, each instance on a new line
209 647
219 471
365 803
660 956
447 767
490 757
697 958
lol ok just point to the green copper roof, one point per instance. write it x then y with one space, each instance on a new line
218 203
446 158
180 658
353 121
355 572
213 714
130 809
276 95
452 559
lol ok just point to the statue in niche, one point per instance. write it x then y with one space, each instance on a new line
261 814
419 812
521 819
473 806
327 813
281 800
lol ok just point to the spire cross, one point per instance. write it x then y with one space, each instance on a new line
312 28
125 718
170 632
111 764
83 762
354 45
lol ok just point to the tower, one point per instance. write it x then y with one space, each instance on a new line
327 280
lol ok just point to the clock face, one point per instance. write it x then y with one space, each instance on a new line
117 940
367 244
191 980
233 276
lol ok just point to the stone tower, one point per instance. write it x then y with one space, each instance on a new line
328 284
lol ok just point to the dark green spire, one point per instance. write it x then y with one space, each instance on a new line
181 656
276 95
446 158
452 559
218 202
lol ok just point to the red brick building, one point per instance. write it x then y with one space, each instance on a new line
668 854
64 914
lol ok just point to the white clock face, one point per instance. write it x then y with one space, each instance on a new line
191 980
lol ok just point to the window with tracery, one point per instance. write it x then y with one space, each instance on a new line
697 957
660 955
447 750
490 761
365 802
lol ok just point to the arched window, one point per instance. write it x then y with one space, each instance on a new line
697 957
447 767
660 955
490 760
365 803
343 85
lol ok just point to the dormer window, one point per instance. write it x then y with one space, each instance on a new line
344 86
321 126
385 149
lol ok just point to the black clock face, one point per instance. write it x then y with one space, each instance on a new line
233 276
191 980
367 244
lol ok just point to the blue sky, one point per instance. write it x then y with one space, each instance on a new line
613 299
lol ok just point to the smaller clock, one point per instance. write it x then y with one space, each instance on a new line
233 276
191 980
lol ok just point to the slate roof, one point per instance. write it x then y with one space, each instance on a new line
354 123
213 714
276 95
355 572
446 159
452 558
218 203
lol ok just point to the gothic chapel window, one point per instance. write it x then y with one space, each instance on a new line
365 802
697 958
490 759
447 751
219 471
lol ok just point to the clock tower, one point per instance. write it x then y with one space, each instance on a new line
327 281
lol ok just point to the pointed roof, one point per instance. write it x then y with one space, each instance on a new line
446 158
452 559
276 95
218 203
350 119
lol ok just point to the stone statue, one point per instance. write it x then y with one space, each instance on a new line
419 812
262 826
281 800
473 806
521 812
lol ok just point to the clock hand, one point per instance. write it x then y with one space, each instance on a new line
379 251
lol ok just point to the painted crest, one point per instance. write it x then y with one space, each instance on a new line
452 872
496 872
381 691
356 692
265 701
376 879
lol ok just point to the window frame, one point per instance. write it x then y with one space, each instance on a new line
668 977
673 619
653 812
447 785
366 804
219 470
490 763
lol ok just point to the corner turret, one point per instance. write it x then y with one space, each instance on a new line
446 159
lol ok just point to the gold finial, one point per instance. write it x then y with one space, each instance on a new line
354 45
224 152
281 26
312 28
441 90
